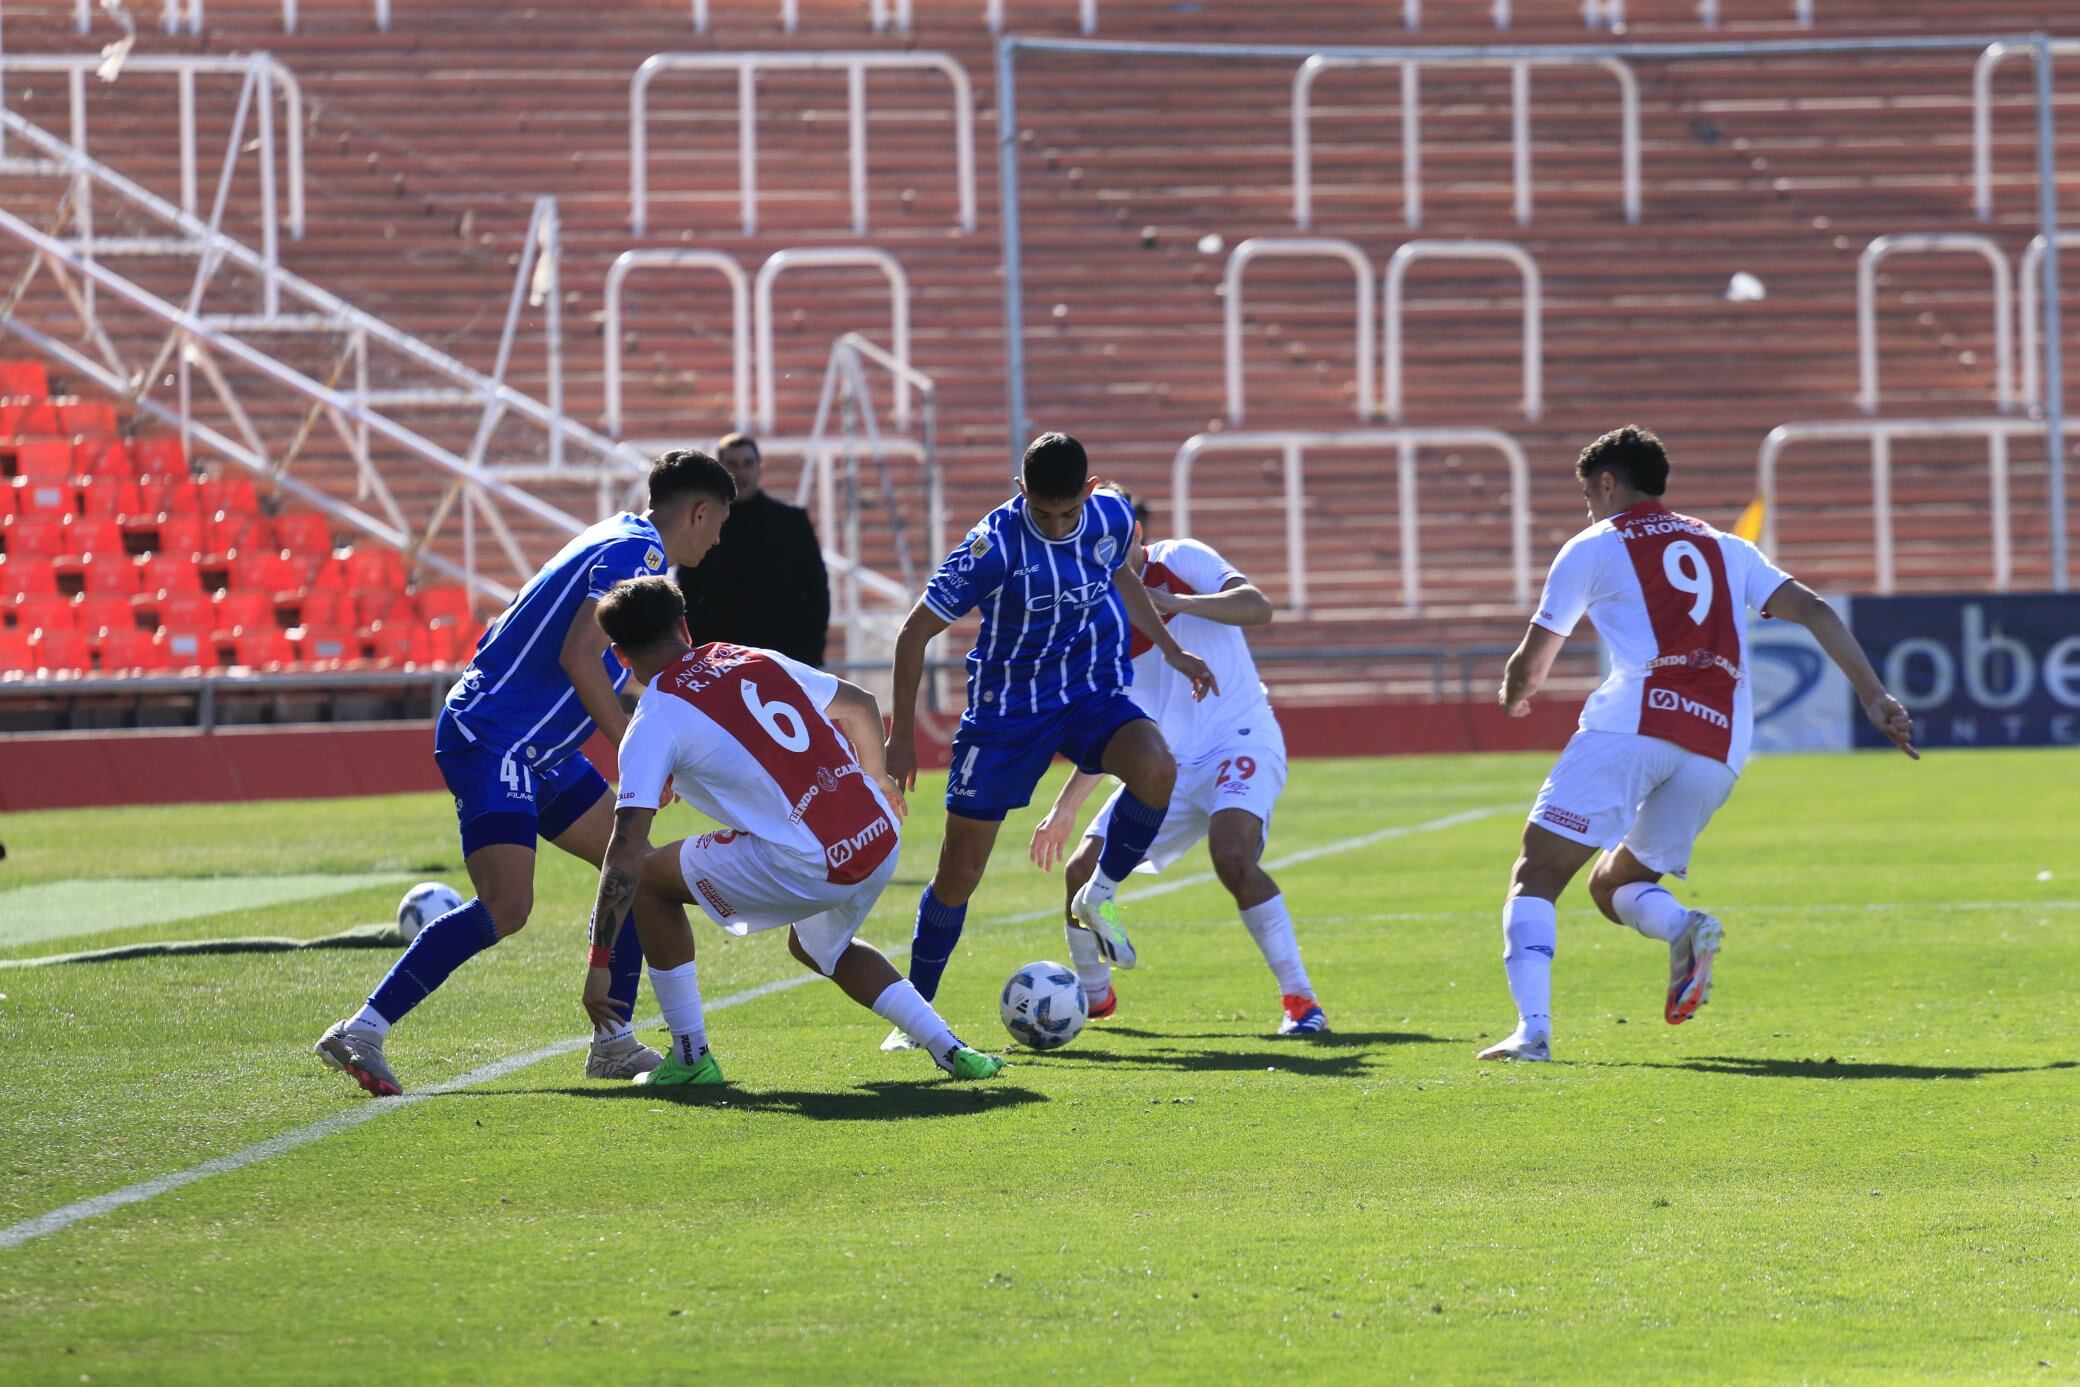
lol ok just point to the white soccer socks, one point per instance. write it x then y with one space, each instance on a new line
1648 907
1529 933
904 1007
1272 928
1091 968
679 997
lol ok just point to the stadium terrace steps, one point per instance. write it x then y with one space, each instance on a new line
1779 170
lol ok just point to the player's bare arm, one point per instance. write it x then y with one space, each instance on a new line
1528 666
1795 602
584 661
858 715
1149 622
1051 836
620 875
1238 603
900 754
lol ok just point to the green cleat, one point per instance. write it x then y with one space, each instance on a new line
963 1063
673 1074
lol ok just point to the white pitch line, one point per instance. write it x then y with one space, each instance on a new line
58 1219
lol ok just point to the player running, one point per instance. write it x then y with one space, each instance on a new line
1663 738
1231 765
1049 570
508 744
766 747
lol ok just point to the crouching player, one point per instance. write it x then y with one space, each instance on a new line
758 743
1231 765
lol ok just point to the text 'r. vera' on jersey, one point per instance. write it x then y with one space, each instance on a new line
1054 628
515 696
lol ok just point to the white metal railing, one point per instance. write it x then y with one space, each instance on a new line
1293 445
1296 247
627 263
831 257
1941 243
2032 314
272 80
1982 112
1708 13
1412 129
179 16
196 338
1533 403
1087 15
747 66
1880 433
880 19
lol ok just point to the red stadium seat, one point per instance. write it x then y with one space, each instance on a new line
374 568
102 460
449 604
115 497
103 612
128 650
186 611
266 570
43 459
89 418
331 573
159 457
452 645
326 607
163 573
225 531
19 418
27 378
328 646
170 496
230 492
401 643
45 497
110 575
7 495
16 656
94 534
61 652
44 613
187 648
302 532
21 578
242 607
391 605
262 647
39 536
179 536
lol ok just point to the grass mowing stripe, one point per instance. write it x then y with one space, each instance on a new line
58 1219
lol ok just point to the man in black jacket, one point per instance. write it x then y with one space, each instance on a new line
763 583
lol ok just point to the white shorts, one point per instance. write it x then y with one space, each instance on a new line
1652 796
1248 776
747 884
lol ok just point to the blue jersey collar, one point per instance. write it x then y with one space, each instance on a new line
1018 503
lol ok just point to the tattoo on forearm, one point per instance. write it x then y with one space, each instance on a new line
617 893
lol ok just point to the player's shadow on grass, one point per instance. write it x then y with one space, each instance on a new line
879 1101
1853 1069
1294 1059
1327 1040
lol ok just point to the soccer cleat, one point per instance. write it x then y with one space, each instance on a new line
361 1056
622 1058
1690 959
1105 1005
1102 919
897 1040
670 1072
963 1063
1304 1016
1520 1046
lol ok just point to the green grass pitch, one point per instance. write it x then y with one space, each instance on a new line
1860 1164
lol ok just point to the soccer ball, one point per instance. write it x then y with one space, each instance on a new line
1043 1006
424 904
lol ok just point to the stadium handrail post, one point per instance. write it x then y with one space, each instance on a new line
627 263
1295 247
829 257
1533 403
1934 243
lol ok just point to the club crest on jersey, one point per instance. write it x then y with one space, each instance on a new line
654 560
1103 550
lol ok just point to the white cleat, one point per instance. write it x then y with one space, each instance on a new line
1101 918
1690 959
898 1041
625 1058
1520 1046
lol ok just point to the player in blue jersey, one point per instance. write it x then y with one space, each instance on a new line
508 744
1048 571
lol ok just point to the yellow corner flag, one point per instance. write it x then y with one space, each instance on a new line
1749 526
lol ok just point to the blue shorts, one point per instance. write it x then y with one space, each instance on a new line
500 798
997 765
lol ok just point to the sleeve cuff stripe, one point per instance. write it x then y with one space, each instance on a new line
937 610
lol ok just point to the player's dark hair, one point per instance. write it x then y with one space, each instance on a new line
689 472
641 612
739 440
1054 467
1632 452
1134 503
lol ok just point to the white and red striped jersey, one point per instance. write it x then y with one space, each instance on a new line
740 733
1197 728
1670 596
